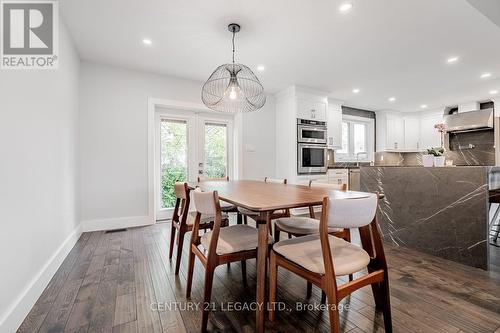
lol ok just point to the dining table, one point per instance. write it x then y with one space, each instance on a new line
266 198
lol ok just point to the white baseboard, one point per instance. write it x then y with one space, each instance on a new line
116 223
13 317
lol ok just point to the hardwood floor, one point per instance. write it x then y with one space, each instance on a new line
124 282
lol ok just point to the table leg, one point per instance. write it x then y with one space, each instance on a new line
262 222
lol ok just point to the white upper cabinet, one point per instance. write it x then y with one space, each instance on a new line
334 125
407 132
429 136
311 109
412 133
394 132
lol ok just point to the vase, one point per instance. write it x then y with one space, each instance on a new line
427 160
439 161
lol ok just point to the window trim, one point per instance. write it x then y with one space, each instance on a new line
370 139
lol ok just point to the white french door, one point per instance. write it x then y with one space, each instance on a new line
189 145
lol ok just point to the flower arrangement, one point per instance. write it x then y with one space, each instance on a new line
440 128
436 151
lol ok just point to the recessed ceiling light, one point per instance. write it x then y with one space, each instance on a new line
355 90
345 7
261 68
423 106
493 92
452 60
147 41
485 75
392 99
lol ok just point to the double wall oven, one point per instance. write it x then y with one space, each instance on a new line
311 146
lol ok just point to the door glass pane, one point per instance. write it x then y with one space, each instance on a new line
312 134
345 139
215 150
174 153
359 138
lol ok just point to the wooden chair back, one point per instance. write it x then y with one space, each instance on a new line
275 180
207 203
351 213
181 208
338 187
220 179
367 223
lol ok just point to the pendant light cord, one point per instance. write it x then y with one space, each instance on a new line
233 43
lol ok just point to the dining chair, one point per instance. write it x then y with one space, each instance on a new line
320 258
224 205
183 221
301 226
250 213
218 246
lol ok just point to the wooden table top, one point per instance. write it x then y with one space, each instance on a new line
261 196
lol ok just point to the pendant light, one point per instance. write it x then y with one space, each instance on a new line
233 87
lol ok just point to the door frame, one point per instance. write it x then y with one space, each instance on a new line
153 172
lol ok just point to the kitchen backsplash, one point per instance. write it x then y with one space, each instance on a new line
397 159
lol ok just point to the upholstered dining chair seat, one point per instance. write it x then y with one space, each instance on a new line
299 225
305 251
234 238
204 218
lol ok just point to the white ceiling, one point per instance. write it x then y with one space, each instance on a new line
383 47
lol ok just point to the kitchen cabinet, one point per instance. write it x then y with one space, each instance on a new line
311 109
338 176
429 136
412 133
391 132
334 125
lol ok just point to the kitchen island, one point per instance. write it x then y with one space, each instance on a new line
440 211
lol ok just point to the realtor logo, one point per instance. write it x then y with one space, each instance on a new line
29 35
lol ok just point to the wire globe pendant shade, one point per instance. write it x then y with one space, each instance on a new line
233 87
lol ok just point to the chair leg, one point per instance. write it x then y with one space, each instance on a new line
244 272
172 240
351 277
323 297
270 227
309 290
383 302
273 285
334 315
192 258
245 219
209 278
276 234
239 218
180 242
289 236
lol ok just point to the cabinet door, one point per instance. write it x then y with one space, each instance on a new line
334 126
395 132
311 110
412 133
429 135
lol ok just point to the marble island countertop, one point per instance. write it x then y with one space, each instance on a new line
441 211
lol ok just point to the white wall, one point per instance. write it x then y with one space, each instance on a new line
38 177
113 135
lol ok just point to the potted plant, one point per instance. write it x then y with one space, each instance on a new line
438 154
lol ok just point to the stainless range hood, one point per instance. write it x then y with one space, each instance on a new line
469 121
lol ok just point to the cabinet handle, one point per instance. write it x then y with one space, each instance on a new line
395 145
313 114
330 140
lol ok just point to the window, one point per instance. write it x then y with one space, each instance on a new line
357 140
